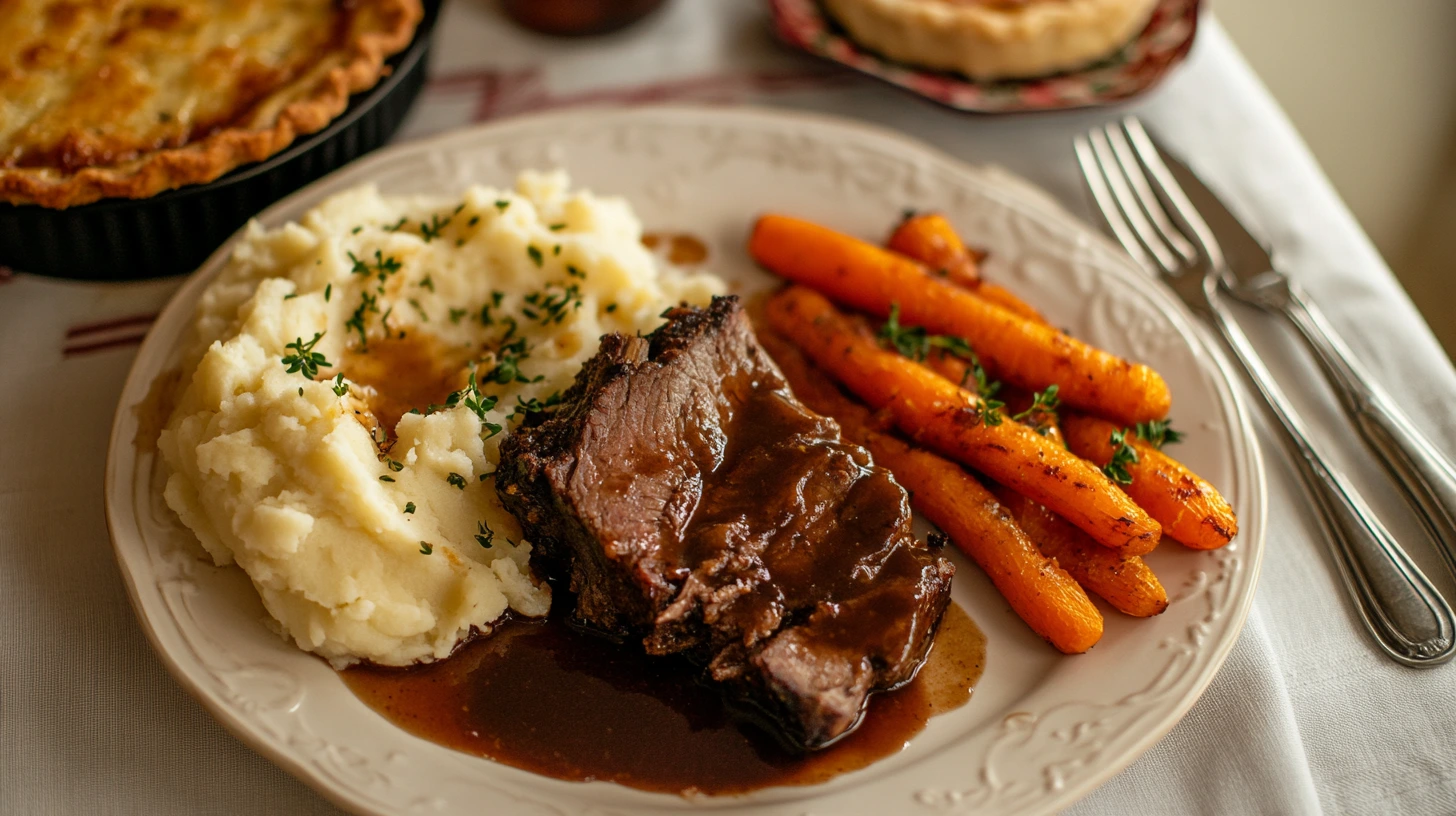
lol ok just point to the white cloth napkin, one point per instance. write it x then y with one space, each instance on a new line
1306 717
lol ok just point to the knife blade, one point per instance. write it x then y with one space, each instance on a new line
1247 256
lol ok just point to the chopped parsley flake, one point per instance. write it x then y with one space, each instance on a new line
431 231
456 480
409 507
535 254
426 548
484 535
508 363
502 204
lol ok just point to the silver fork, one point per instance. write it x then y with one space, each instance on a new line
1403 612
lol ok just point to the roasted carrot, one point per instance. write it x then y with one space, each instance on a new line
930 239
1190 510
1029 354
1045 596
934 412
1124 581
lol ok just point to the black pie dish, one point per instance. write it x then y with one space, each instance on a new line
173 232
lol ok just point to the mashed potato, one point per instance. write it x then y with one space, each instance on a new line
348 384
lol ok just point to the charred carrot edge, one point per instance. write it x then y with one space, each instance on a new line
930 239
863 276
1124 581
1190 510
934 412
1044 595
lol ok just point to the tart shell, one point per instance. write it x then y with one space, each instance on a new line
174 231
323 95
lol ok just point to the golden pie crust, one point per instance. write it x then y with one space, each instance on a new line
127 98
994 39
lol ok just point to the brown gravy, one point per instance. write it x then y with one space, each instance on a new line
545 698
680 249
401 372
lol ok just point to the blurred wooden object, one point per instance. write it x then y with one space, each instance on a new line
575 18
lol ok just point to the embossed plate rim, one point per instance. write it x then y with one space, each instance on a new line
329 769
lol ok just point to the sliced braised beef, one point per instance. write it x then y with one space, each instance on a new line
698 509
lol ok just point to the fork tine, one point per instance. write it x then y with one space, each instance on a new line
1127 202
1107 205
1167 187
1138 181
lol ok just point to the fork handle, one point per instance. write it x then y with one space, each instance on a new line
1427 477
1408 618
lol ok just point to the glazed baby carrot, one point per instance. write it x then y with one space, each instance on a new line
930 239
1124 581
1044 595
936 413
1026 353
1190 510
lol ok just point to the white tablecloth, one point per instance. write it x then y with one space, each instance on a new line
1306 716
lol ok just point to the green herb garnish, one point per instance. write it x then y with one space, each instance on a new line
304 359
1122 456
1158 433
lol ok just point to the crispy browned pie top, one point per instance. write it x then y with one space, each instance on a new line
129 97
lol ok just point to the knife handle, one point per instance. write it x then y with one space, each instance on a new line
1407 616
1427 477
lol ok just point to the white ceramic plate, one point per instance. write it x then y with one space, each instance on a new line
1041 731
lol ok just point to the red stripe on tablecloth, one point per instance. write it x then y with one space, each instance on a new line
102 345
108 325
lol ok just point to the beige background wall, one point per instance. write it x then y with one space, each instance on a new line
1372 88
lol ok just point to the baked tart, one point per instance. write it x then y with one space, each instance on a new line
994 39
128 98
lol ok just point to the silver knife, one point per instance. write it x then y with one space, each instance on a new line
1425 474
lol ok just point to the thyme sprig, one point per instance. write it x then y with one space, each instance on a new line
916 343
1123 455
1158 433
304 359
